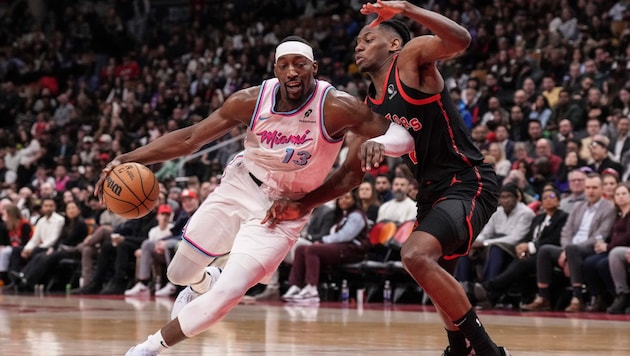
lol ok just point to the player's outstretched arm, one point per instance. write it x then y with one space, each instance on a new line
450 37
236 110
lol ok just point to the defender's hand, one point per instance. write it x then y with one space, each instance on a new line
384 9
98 188
371 154
282 210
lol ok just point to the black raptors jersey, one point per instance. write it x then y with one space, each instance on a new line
444 148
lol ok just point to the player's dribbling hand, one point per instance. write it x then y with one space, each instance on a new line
98 187
371 154
281 210
385 10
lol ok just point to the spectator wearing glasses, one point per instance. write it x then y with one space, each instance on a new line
599 154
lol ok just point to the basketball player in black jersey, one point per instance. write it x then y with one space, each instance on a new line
458 192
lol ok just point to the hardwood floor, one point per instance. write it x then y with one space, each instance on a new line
60 325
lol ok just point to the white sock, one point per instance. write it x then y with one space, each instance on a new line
155 342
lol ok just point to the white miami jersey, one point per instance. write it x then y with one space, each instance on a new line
290 152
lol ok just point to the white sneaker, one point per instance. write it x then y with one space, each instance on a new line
291 293
168 290
139 290
140 351
187 295
308 294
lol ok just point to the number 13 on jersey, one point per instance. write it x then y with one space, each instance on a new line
300 157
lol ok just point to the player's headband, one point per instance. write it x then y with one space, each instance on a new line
294 47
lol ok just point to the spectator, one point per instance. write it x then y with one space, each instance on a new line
544 149
117 257
501 165
589 220
346 243
493 247
47 232
401 208
593 127
148 253
544 229
599 154
540 110
89 247
620 144
383 186
611 180
577 178
368 201
15 232
597 273
502 138
42 266
567 109
562 137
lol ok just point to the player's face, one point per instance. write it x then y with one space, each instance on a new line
296 74
372 49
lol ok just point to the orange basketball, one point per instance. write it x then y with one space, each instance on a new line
131 190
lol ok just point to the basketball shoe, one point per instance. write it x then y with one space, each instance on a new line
187 295
138 350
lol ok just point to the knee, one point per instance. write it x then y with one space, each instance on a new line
177 275
571 249
418 259
88 251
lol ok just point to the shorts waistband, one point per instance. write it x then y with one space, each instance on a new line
256 180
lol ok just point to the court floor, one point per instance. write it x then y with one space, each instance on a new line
72 325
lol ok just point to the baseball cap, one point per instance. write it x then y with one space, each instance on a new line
104 156
164 209
88 139
187 193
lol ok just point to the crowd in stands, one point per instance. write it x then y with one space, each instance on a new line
544 89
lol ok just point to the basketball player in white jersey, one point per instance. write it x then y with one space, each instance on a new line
296 125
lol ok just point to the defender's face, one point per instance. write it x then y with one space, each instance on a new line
296 74
372 48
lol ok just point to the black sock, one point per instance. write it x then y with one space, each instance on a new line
457 342
544 293
472 329
577 292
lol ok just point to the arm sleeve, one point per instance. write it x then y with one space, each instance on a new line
349 231
397 140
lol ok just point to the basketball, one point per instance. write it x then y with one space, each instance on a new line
131 190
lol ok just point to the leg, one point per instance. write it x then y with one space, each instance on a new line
619 269
576 254
256 254
446 228
298 268
547 258
88 260
618 265
143 274
495 262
